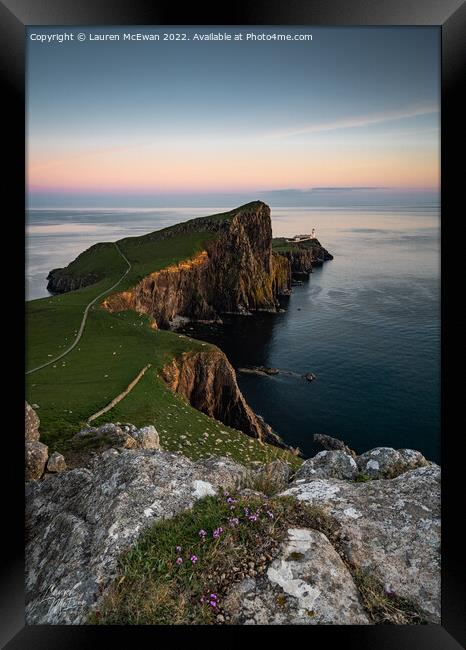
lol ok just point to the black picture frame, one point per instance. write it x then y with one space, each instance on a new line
15 16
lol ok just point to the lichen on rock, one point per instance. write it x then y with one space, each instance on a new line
307 584
390 527
80 521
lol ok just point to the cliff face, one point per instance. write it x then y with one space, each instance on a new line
303 257
208 382
178 290
59 281
236 273
80 272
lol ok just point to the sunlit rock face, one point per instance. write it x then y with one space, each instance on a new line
236 273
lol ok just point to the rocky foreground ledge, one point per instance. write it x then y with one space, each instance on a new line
80 521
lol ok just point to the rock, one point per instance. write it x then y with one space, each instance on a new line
309 376
59 281
36 460
413 459
229 474
390 527
307 584
303 257
327 464
208 382
146 438
127 427
331 444
275 475
56 463
259 370
111 435
385 462
109 453
80 521
236 273
32 423
248 492
86 431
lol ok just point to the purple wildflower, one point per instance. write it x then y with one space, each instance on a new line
178 549
234 521
202 534
231 500
193 559
179 560
270 514
252 517
217 532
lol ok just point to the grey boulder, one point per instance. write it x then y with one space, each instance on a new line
389 527
146 438
36 455
80 521
56 463
327 464
32 423
123 436
307 584
333 444
385 462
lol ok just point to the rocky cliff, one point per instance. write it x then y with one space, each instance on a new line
59 281
79 522
207 381
302 257
78 274
237 272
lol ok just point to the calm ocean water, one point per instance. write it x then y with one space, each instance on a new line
367 323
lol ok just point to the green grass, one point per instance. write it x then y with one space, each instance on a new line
52 322
151 252
152 589
280 245
382 607
113 350
148 256
362 478
187 431
99 259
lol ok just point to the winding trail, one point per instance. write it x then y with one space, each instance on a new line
86 312
121 396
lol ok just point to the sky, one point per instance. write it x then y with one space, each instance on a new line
112 122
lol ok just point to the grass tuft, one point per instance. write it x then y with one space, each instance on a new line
383 607
362 478
222 540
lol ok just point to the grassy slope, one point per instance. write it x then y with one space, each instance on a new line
280 245
113 349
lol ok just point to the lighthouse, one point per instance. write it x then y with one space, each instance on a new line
297 239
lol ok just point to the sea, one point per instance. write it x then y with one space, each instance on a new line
367 323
